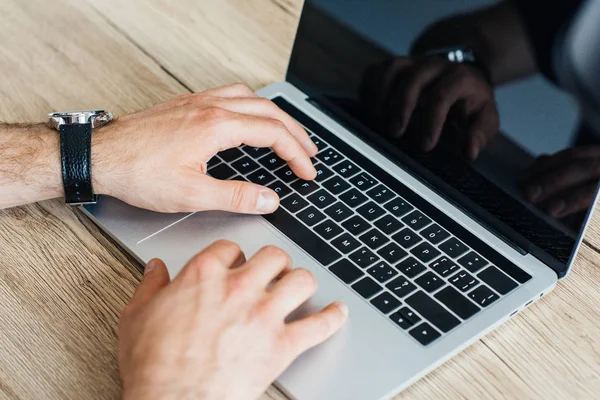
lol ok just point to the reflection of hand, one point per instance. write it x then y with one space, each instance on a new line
218 331
156 159
393 91
563 183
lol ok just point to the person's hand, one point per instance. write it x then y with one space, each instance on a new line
424 92
563 183
156 159
218 331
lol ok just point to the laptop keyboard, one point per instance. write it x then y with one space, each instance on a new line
415 265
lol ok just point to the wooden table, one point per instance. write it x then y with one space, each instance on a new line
63 283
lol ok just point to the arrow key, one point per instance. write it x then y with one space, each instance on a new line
386 303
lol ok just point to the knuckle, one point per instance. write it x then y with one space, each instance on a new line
241 88
203 264
213 113
240 199
275 253
305 278
238 284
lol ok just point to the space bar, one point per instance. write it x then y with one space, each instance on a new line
303 237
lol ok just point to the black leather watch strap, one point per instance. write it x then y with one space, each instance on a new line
76 155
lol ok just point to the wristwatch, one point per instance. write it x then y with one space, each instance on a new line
76 150
463 55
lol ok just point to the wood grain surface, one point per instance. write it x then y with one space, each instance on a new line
63 283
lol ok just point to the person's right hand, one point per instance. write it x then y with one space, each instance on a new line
423 92
156 159
218 331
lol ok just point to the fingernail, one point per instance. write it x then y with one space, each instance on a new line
343 308
556 208
534 193
267 202
151 266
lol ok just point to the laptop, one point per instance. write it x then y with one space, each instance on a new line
430 251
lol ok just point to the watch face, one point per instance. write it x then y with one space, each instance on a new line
96 117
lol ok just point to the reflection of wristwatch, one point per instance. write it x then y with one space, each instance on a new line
75 151
463 55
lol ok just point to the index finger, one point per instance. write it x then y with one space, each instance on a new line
267 132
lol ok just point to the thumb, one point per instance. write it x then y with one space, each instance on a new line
236 196
156 277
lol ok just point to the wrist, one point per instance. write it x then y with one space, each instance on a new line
40 145
106 154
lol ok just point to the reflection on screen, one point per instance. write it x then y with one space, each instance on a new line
495 130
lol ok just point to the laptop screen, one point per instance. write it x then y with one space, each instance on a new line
464 94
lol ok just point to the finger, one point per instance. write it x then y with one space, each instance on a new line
267 132
293 289
383 84
555 181
577 200
230 91
156 277
303 334
484 126
266 265
406 92
456 85
232 196
261 107
211 264
547 162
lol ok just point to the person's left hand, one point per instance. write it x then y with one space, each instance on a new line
563 183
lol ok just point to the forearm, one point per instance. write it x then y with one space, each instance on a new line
495 33
29 164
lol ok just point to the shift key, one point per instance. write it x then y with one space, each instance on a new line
432 311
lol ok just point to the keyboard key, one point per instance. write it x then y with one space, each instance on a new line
319 143
389 224
280 188
238 178
425 252
346 169
323 173
261 177
382 272
386 303
367 287
407 238
339 212
453 248
430 282
370 211
425 334
256 152
286 174
221 171
392 253
272 161
472 262
513 271
213 162
401 287
245 165
432 311
336 185
398 207
303 236
294 203
329 157
457 303
411 267
483 296
311 216
363 257
346 243
463 281
410 315
416 220
305 187
363 181
347 272
400 320
353 198
232 154
328 229
321 199
443 266
374 239
435 234
356 225
497 280
380 194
